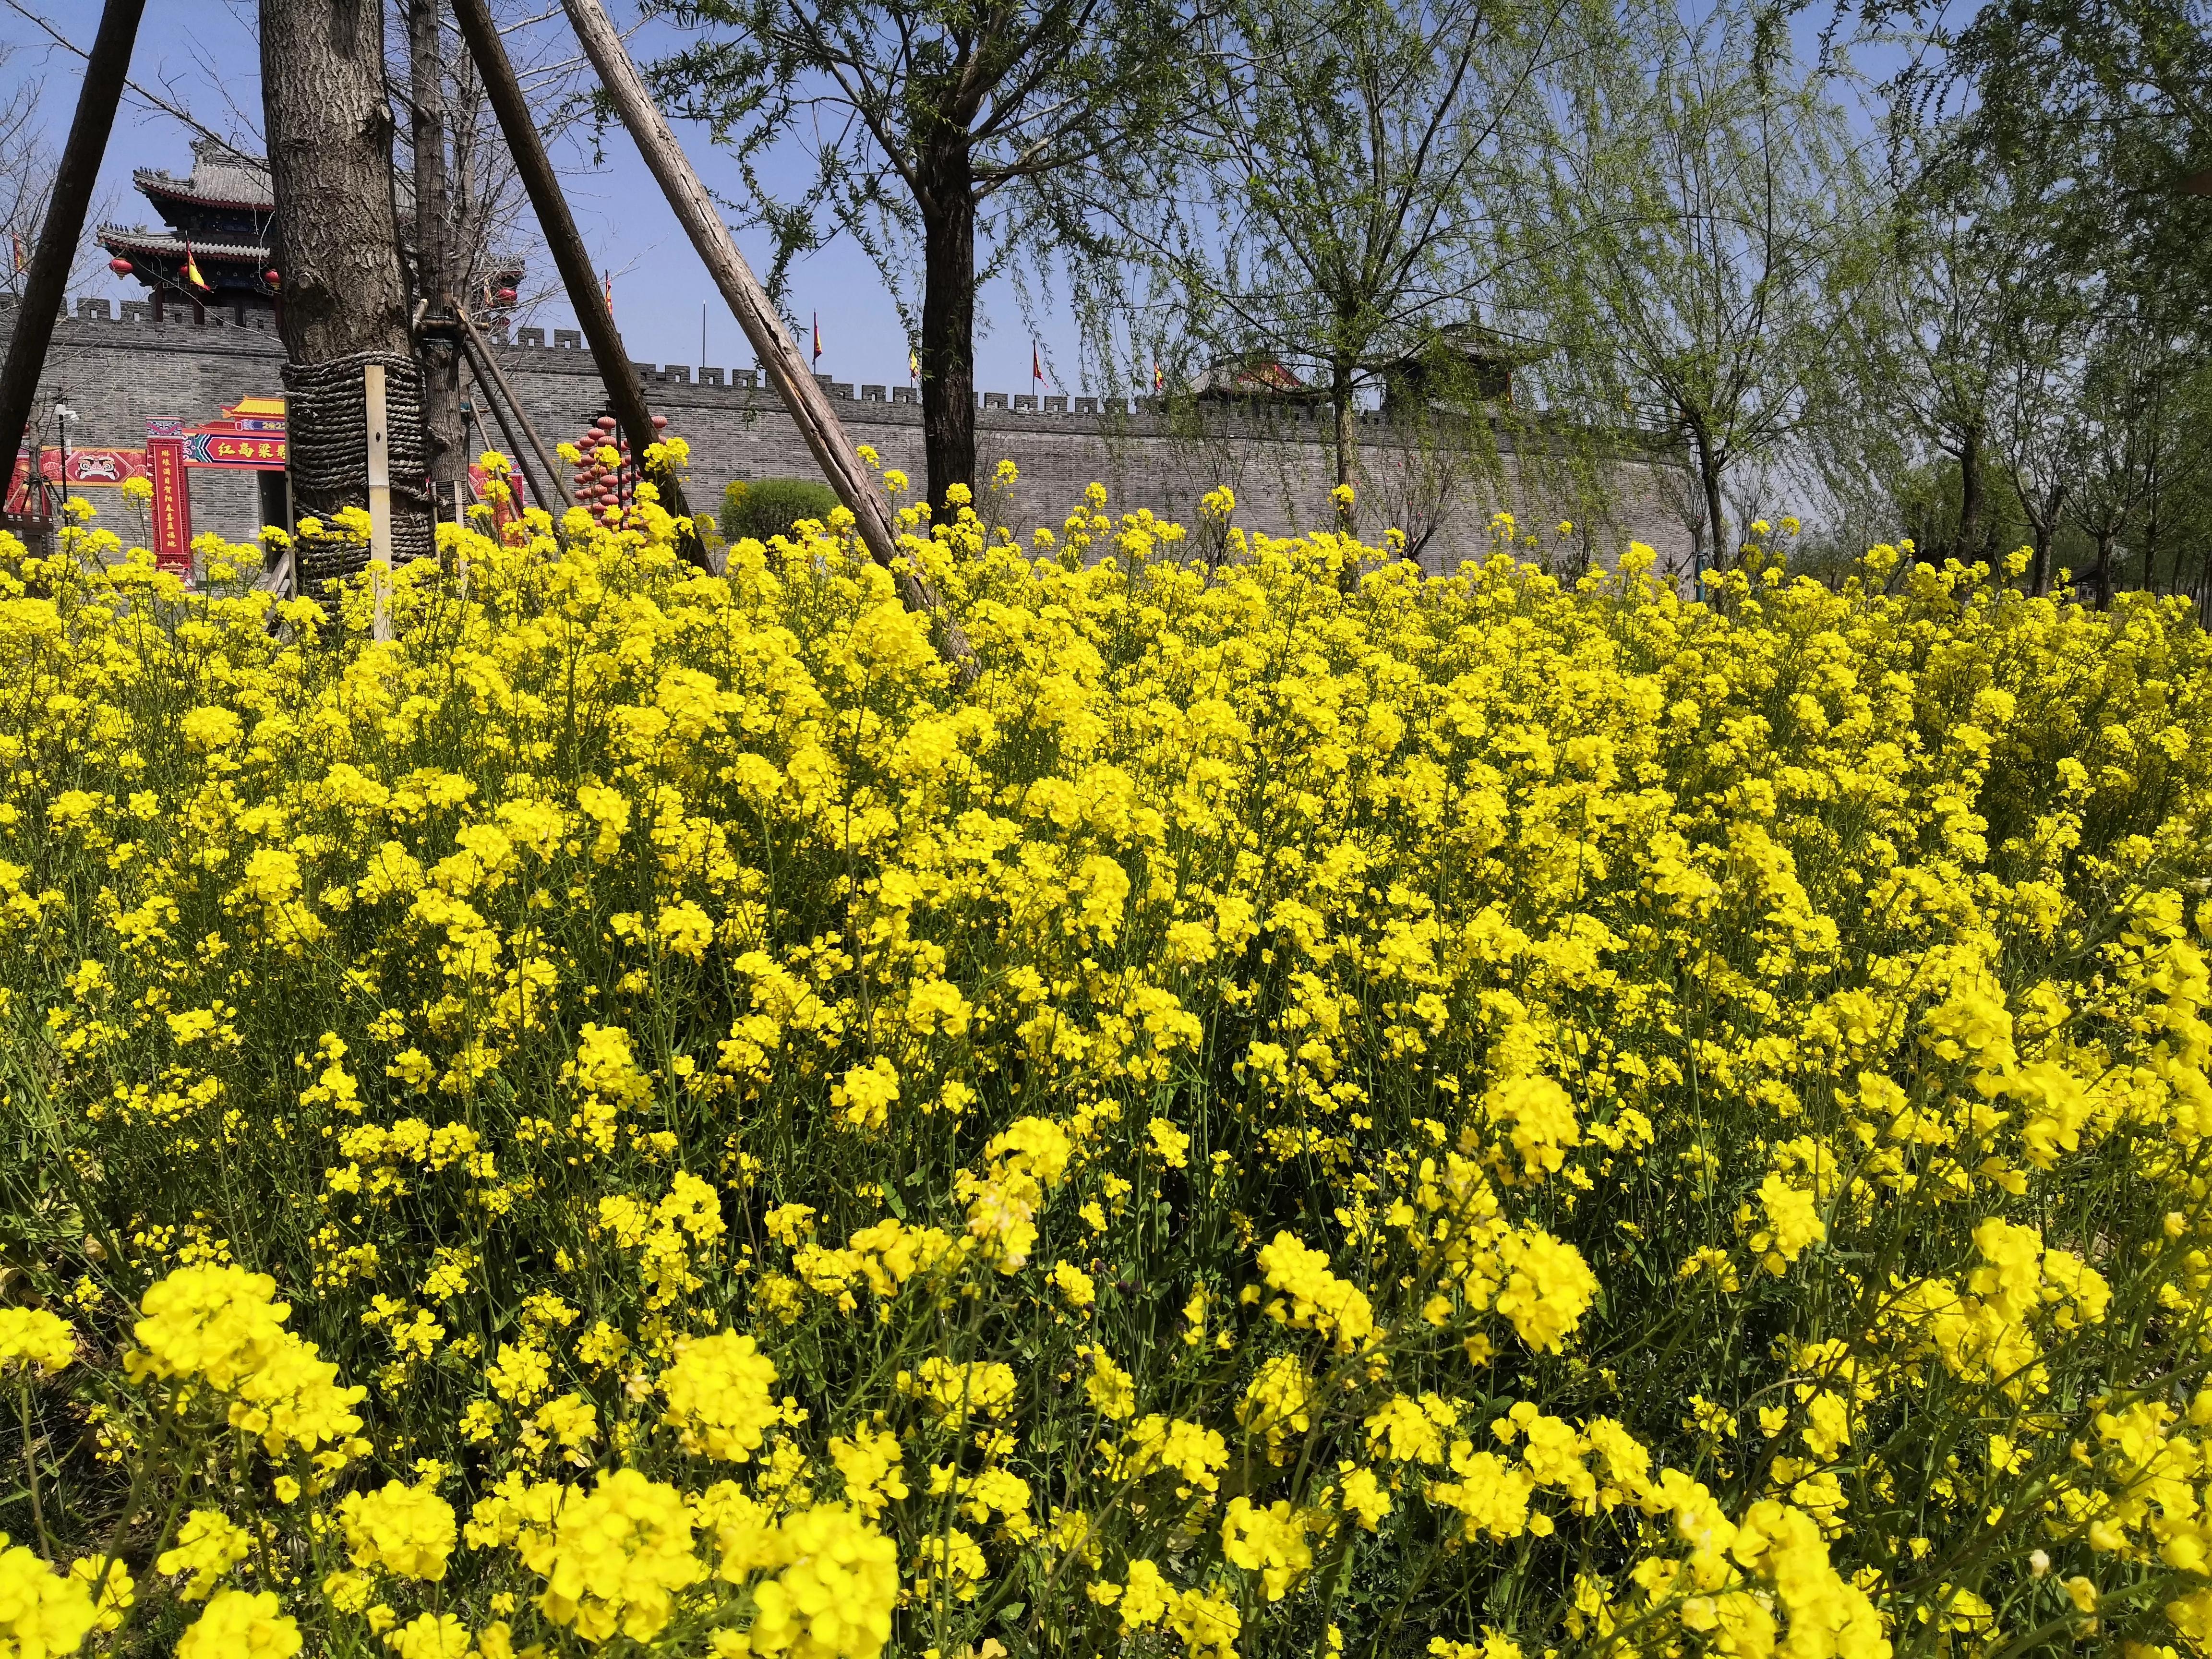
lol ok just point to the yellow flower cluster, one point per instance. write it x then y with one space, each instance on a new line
216 1325
40 1613
1249 1103
34 1338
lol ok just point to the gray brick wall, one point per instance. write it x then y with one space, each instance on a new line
117 375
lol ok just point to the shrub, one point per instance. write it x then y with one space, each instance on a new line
767 507
1459 1117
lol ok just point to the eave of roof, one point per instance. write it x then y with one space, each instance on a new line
113 238
154 183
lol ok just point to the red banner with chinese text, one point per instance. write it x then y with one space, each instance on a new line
261 452
173 505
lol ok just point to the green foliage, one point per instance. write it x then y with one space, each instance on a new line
769 506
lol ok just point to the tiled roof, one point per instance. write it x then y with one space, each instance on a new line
145 241
154 182
221 178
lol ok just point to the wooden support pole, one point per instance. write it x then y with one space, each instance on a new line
504 93
802 394
486 364
45 287
379 498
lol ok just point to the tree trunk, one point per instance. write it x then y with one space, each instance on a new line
1970 510
2042 519
948 321
1709 480
2151 542
330 131
2103 577
433 273
1344 425
330 160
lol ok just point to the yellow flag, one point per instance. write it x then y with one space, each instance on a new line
193 268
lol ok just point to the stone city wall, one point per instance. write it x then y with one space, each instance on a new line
117 373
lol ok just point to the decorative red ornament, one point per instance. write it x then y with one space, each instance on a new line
120 266
271 278
506 296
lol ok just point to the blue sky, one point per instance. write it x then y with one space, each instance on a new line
201 54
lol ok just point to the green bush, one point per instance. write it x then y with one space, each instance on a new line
769 506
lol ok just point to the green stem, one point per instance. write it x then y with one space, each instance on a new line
31 1469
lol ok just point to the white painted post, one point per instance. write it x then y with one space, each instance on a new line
379 499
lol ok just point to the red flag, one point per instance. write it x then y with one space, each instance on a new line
22 260
1036 369
1159 381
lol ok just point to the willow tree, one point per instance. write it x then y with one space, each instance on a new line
1330 201
940 126
1707 240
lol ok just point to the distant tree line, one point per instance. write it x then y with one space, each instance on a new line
1957 296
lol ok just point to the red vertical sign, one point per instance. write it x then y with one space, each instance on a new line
172 506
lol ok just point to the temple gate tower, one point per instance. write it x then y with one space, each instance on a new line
220 231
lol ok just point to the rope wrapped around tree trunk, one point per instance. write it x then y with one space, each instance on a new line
327 430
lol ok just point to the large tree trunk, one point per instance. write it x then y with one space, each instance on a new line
330 133
948 321
433 272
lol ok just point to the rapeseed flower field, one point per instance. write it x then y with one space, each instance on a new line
1290 1108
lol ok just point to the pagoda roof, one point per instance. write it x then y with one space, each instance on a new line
220 176
151 181
1256 377
116 238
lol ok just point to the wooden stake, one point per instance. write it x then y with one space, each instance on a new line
379 499
105 67
504 93
802 394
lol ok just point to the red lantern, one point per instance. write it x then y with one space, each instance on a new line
659 422
269 277
506 296
119 265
